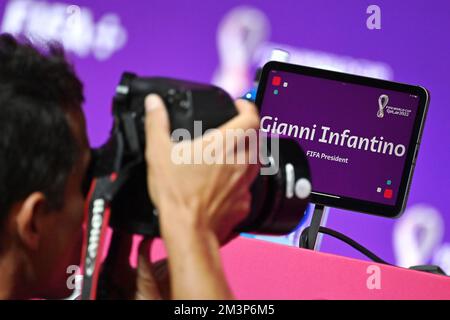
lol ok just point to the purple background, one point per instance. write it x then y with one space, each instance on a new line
179 39
309 101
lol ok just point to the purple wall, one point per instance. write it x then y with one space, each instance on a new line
201 40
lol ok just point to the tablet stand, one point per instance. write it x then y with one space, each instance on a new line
308 240
313 231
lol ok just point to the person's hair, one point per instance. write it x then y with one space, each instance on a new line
38 87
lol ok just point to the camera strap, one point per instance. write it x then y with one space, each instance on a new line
97 213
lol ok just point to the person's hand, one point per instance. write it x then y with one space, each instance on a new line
148 281
199 196
199 204
152 279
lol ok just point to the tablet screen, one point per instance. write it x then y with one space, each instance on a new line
357 137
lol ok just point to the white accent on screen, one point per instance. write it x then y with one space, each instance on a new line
325 194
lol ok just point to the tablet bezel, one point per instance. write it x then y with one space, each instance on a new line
379 209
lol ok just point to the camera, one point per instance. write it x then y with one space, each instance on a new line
117 193
276 206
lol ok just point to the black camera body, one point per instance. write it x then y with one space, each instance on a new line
186 102
122 157
119 196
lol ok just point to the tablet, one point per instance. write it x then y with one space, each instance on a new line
361 135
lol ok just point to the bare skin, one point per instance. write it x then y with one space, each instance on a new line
39 244
198 205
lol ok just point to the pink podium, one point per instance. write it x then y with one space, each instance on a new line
258 269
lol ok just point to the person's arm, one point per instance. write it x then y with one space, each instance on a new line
194 263
198 204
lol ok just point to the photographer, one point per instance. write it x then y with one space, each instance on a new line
44 156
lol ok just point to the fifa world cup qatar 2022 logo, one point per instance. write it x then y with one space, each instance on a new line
382 103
